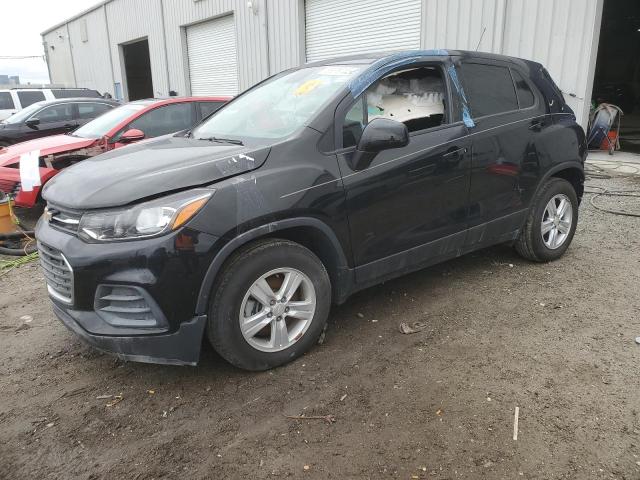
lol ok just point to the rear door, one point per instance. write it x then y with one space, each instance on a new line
89 111
207 108
505 164
409 207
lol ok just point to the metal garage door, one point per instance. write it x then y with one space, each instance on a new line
213 62
344 27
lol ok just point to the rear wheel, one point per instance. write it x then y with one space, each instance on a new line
551 223
270 304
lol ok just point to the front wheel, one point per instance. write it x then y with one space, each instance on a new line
551 222
270 305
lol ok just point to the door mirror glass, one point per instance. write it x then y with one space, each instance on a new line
33 122
131 135
380 134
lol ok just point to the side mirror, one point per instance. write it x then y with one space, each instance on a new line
132 135
380 134
33 122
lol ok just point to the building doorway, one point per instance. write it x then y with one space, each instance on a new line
617 78
137 67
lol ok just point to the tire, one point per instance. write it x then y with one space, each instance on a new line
231 292
531 244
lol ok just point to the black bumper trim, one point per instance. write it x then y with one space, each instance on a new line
177 348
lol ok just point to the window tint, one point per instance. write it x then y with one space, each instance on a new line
164 120
27 98
525 95
415 97
207 108
55 113
92 110
71 93
353 125
6 102
489 89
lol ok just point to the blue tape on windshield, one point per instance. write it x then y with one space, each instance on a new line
466 113
385 65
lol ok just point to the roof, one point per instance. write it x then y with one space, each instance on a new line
150 101
79 100
75 17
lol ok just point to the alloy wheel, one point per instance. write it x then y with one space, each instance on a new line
557 220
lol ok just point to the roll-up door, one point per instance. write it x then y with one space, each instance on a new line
345 27
213 61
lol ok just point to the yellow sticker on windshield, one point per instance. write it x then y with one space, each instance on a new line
307 87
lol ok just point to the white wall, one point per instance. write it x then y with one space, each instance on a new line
561 34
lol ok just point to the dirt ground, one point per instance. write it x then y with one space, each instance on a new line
555 340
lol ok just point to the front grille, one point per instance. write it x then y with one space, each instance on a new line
57 272
124 306
9 187
64 220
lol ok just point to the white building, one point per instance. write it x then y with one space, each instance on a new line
143 48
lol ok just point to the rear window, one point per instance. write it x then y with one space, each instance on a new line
71 93
525 95
6 102
489 89
29 98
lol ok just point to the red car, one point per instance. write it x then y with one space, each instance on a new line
121 126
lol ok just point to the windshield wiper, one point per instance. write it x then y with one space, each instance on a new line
232 141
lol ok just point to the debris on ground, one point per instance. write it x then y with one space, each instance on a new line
638 340
329 419
116 399
415 327
515 423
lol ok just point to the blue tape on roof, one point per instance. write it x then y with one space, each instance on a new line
386 64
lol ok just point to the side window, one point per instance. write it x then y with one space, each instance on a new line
164 120
489 89
525 95
28 98
207 108
353 124
74 93
55 113
92 110
415 97
6 102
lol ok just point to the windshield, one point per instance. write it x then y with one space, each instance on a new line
23 114
100 126
280 106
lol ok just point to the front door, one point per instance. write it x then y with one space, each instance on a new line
53 120
409 207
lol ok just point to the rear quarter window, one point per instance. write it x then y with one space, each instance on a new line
526 97
29 98
6 102
489 89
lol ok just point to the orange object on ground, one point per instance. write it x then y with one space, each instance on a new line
7 224
613 138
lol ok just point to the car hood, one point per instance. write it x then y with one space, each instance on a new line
149 168
46 145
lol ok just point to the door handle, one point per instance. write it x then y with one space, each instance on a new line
454 154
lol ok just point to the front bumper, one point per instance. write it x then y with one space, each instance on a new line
178 348
167 271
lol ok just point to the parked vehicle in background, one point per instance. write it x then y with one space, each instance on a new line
15 99
316 183
120 126
53 117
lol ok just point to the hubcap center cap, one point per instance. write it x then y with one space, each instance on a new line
278 309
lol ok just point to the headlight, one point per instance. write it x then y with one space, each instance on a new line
147 219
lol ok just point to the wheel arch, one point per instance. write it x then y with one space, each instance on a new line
573 172
309 232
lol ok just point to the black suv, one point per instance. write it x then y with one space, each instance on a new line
314 184
51 117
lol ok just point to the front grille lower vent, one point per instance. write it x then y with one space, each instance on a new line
126 306
57 272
